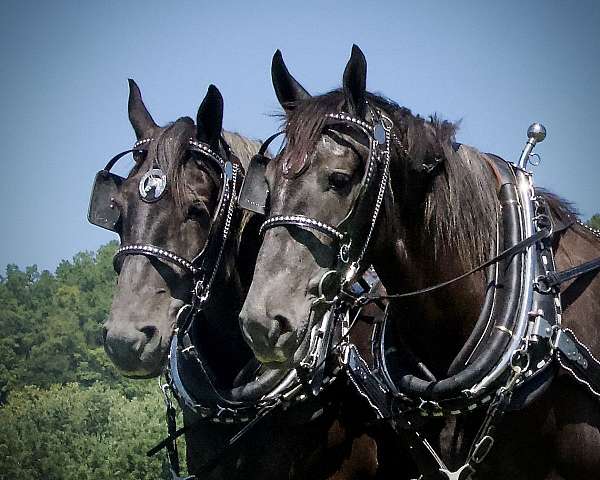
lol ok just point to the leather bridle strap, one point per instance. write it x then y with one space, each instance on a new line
152 251
554 279
304 222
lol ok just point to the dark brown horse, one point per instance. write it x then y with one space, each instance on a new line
439 219
296 443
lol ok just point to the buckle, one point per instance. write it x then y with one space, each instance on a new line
482 448
429 408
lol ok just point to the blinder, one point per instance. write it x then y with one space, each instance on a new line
254 195
103 211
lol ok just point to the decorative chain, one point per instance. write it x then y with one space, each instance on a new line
226 228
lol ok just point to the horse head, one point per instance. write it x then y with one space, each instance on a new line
167 201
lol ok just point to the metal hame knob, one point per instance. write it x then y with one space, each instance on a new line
536 131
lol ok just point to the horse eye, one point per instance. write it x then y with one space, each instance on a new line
198 211
339 180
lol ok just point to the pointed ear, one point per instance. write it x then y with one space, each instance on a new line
209 120
355 82
287 88
140 119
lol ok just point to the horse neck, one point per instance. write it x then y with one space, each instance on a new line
226 296
420 251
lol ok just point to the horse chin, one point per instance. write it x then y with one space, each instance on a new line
151 365
280 361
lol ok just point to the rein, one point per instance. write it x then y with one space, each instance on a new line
506 254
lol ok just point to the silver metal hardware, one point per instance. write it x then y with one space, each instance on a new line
540 328
536 133
228 170
152 185
563 343
345 252
482 448
379 134
463 473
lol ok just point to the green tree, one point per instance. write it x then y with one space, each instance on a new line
594 222
67 432
51 324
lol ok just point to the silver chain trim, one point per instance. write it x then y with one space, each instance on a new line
382 187
139 143
591 229
150 249
226 229
209 152
305 221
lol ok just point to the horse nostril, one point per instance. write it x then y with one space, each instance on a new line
149 331
281 324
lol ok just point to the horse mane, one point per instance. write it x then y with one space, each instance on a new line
458 210
244 148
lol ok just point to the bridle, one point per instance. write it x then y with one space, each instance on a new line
352 242
351 236
205 265
202 269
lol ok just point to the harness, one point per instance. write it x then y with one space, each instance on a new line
188 377
505 364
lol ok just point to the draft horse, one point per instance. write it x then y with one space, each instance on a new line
184 265
485 361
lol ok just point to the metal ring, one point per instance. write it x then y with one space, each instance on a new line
345 252
537 162
514 357
323 277
541 285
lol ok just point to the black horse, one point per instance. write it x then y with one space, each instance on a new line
167 207
436 218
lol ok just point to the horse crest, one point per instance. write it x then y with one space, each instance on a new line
153 185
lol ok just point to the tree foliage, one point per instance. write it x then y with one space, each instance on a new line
594 222
51 324
69 432
65 412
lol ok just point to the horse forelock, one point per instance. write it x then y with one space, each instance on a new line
171 144
303 125
244 148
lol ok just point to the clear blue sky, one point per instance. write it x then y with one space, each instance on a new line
496 65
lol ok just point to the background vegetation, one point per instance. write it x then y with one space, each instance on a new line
65 413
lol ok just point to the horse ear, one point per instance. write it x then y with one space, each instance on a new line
140 119
287 88
355 82
209 121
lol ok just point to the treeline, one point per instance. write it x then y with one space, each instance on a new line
65 412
